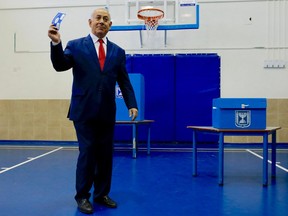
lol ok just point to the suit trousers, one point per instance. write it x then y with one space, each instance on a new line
95 159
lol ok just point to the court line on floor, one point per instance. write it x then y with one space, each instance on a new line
31 159
259 156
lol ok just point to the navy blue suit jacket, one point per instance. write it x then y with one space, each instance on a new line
93 90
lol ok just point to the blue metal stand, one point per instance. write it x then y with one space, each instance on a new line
135 125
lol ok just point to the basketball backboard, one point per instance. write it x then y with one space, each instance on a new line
178 14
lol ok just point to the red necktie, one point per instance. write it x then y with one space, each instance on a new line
101 54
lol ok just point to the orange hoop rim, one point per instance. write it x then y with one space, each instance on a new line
147 17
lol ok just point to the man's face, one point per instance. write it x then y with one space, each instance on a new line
100 23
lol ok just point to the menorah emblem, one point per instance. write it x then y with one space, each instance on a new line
242 118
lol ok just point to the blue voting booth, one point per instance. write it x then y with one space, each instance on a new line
137 81
239 113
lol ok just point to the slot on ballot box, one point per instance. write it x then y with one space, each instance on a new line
239 113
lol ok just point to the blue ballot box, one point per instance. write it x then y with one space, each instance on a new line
239 113
137 81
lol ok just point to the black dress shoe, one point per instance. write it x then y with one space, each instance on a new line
106 201
85 206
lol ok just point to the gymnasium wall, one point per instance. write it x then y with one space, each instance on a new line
245 34
46 120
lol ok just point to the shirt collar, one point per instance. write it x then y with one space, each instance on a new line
95 38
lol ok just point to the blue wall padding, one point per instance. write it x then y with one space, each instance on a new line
129 63
197 83
179 90
159 76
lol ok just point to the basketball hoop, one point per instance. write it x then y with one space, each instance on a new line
150 17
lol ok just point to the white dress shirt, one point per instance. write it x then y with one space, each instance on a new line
96 43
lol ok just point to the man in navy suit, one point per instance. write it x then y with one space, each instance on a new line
93 108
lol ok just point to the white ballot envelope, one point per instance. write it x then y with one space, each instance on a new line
58 19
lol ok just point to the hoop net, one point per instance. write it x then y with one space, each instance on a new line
151 16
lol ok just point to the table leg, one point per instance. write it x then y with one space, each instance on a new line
194 153
148 140
273 154
265 159
134 141
221 158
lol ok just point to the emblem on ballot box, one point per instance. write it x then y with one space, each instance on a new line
242 118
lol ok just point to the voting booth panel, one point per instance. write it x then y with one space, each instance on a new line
239 113
137 81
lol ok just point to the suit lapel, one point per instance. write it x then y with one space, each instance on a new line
91 47
109 53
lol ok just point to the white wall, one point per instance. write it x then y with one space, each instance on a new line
244 33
